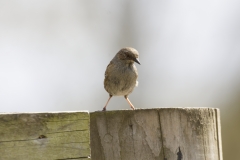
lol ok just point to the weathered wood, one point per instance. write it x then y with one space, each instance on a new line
156 134
44 136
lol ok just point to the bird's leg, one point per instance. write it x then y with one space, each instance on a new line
104 108
131 105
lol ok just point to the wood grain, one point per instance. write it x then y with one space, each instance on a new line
156 134
44 136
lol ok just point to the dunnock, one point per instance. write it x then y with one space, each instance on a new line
121 74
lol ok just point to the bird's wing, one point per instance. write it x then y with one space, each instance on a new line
108 72
109 69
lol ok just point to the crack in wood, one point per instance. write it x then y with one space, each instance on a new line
179 154
131 128
73 158
159 118
67 131
19 140
42 136
66 120
75 142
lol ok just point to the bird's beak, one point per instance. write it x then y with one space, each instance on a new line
137 60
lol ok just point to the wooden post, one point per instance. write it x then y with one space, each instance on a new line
44 136
156 134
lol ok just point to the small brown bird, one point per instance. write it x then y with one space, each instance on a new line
121 74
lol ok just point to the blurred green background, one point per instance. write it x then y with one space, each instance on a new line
53 55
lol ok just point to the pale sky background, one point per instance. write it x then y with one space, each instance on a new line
53 55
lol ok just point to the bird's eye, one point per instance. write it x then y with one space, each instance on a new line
127 55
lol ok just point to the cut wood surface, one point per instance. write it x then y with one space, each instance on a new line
156 134
44 136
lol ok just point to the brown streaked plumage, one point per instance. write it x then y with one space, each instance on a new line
121 74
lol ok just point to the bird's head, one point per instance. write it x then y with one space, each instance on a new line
129 55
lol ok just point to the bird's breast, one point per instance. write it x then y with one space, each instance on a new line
121 81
